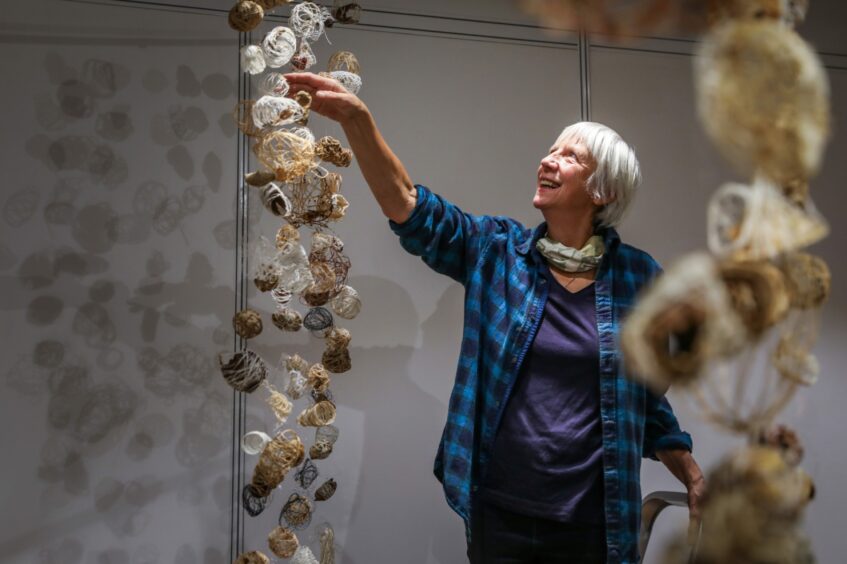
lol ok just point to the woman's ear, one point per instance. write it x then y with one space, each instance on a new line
601 201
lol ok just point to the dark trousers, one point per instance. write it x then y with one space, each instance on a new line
499 536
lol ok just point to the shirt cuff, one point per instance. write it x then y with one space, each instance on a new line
418 215
673 441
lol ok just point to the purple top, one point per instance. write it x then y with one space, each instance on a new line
547 458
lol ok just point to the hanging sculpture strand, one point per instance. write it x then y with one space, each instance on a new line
743 318
295 189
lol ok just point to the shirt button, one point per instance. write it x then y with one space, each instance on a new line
543 281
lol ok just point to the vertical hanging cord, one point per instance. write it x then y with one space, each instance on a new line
239 400
584 76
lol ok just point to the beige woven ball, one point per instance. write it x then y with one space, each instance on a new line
245 15
247 323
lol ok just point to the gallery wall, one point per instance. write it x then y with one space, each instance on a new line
119 266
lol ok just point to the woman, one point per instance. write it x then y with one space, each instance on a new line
542 447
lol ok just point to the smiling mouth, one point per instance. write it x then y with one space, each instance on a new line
548 184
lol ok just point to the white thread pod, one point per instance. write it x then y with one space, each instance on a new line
351 82
297 384
279 46
252 59
304 58
303 132
275 111
275 200
347 303
757 222
327 434
304 555
307 21
274 84
254 442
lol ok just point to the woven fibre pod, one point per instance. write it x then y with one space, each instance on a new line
690 307
245 15
281 454
317 319
307 474
279 45
318 378
304 555
283 542
287 233
330 150
338 338
757 293
247 323
328 433
808 279
748 223
243 115
244 371
287 319
252 557
274 84
320 450
253 503
307 21
763 98
303 98
266 283
339 207
279 404
351 82
346 304
347 12
275 200
252 59
304 58
259 178
326 490
296 362
322 413
297 384
297 512
343 61
288 154
275 111
337 361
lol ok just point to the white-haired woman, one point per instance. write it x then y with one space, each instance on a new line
545 433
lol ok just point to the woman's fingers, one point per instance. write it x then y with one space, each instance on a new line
311 80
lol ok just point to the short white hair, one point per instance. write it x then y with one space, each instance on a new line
617 174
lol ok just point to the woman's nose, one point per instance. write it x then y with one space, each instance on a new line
548 162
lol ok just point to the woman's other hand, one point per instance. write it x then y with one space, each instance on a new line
329 98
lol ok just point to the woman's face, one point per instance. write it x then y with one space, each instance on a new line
562 174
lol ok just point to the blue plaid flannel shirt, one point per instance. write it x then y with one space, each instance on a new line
505 294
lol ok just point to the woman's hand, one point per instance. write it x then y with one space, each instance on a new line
329 98
696 491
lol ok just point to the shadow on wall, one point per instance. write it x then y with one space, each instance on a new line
119 435
390 520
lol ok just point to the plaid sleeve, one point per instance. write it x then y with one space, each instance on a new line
661 429
446 238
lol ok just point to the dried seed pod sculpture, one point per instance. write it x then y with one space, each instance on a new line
252 557
283 542
287 319
274 84
307 474
244 371
279 45
771 118
254 504
330 150
320 414
327 540
279 404
752 511
281 454
245 15
294 188
252 59
297 512
304 555
247 323
326 490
